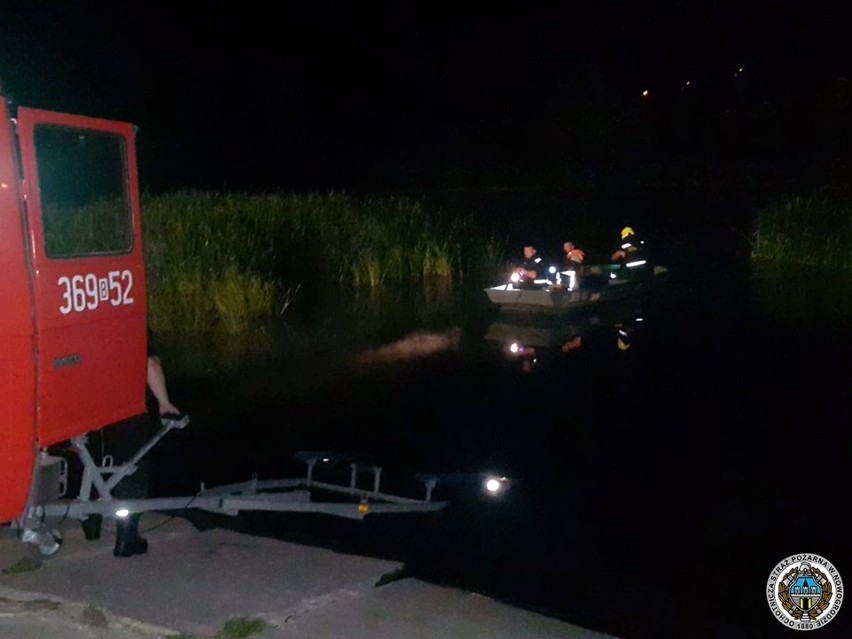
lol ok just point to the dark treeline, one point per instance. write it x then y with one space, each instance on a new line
701 134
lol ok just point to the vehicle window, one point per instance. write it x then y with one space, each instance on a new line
83 182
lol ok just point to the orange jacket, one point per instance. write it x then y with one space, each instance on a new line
575 255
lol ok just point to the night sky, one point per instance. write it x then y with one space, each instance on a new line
379 95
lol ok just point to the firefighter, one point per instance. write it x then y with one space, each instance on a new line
574 257
630 246
532 268
123 441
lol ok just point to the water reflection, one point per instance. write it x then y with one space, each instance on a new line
801 295
326 330
412 346
534 342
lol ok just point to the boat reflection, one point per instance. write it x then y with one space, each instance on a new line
532 344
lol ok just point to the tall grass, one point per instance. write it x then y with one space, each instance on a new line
802 253
810 231
221 261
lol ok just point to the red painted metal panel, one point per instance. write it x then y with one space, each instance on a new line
90 311
17 360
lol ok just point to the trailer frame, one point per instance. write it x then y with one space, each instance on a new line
39 526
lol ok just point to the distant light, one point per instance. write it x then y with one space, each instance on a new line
494 485
122 512
645 93
515 277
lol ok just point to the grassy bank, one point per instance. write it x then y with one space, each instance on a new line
802 257
813 231
220 261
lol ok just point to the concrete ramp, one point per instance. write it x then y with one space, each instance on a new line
193 582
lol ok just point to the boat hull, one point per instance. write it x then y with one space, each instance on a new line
554 299
601 284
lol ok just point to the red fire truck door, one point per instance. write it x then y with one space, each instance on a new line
85 242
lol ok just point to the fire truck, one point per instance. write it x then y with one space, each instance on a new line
72 287
73 344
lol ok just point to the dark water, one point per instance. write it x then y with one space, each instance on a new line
655 487
656 482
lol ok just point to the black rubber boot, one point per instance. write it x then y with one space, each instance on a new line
92 527
127 539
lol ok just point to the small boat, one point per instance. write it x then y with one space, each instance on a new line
599 284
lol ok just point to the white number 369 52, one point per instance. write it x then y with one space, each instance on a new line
86 292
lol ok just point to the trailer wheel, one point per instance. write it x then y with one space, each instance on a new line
43 542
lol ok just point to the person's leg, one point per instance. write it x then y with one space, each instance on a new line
123 441
157 384
128 541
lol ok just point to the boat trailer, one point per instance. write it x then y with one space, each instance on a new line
40 524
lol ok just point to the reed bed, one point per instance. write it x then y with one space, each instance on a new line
224 261
813 231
